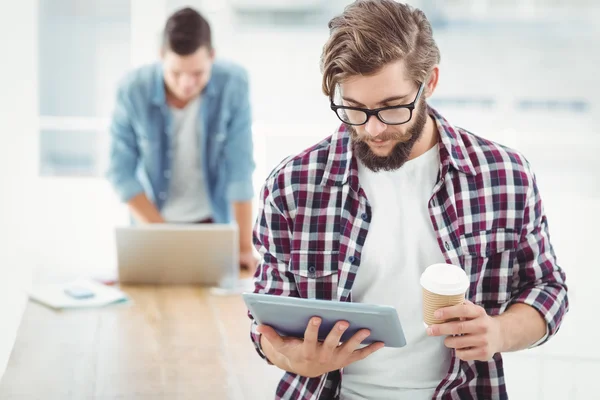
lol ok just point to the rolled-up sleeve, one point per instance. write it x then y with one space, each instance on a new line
239 156
272 240
538 280
124 151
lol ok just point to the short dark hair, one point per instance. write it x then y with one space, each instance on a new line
186 31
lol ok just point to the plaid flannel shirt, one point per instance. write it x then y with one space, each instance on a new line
488 218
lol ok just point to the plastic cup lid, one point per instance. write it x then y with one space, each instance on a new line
445 279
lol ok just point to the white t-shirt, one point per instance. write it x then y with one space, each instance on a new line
400 244
187 199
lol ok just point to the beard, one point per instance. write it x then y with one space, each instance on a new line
400 152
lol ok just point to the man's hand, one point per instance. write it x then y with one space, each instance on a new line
477 336
248 261
311 358
144 210
248 257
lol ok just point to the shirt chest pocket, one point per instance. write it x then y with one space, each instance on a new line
488 258
315 273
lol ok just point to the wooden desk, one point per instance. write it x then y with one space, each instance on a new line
171 343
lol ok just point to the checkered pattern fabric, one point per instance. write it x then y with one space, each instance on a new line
487 215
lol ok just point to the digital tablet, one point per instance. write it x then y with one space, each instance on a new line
289 316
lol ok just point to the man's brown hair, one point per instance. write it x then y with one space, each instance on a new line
372 33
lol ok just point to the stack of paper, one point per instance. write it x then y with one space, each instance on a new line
55 295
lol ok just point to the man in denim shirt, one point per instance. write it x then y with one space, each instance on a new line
181 141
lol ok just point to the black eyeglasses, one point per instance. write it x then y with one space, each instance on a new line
393 115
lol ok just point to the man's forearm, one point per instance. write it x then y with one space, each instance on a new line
143 210
521 326
243 216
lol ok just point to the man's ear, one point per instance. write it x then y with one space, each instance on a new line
433 81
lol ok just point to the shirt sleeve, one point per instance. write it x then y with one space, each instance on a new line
272 238
538 279
239 147
124 151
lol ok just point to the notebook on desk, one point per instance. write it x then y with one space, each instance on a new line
79 293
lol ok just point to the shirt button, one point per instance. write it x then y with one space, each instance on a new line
162 195
364 216
312 271
352 259
447 245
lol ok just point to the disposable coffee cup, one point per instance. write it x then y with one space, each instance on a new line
443 285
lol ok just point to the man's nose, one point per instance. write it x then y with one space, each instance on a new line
374 127
187 81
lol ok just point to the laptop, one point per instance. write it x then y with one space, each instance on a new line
201 254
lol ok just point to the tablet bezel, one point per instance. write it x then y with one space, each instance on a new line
330 312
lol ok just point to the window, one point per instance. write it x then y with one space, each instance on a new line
84 49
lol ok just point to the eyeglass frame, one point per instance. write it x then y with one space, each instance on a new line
375 112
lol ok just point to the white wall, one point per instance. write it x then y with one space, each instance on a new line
18 152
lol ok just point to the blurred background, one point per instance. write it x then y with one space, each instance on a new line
521 72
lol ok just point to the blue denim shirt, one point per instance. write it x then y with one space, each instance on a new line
140 150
